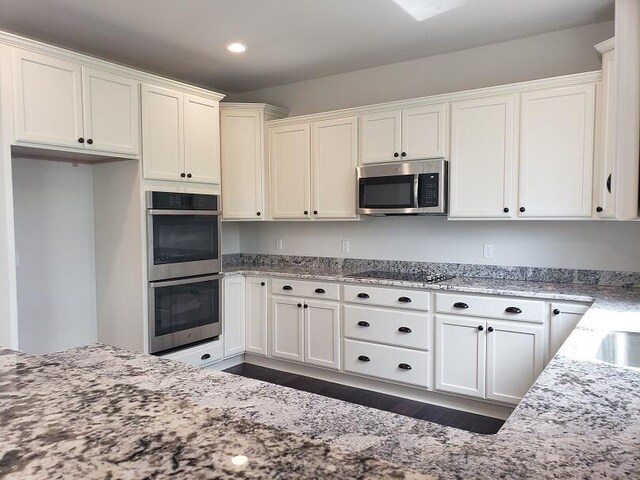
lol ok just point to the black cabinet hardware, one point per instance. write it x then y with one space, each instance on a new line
362 323
90 141
364 358
306 306
404 300
306 212
490 329
258 214
320 290
522 209
396 154
262 284
287 287
404 154
299 305
505 210
598 209
480 327
404 366
363 295
206 356
460 305
183 175
609 183
512 310
189 175
81 140
315 212
556 311
404 330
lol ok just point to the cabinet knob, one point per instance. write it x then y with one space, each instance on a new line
206 356
262 284
258 213
306 306
404 300
189 175
512 310
90 141
396 154
490 329
81 140
522 209
320 290
306 212
460 305
505 209
480 328
404 366
364 358
363 295
556 311
362 323
404 154
404 330
183 175
315 212
599 209
299 305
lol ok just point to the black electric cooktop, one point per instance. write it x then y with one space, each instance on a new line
423 277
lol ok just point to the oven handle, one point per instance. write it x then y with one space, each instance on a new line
184 281
155 211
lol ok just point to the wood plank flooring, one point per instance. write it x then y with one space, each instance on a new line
402 406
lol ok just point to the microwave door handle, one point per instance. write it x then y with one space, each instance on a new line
415 190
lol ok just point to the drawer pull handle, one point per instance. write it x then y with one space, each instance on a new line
364 358
404 366
512 310
404 330
287 287
320 290
363 295
206 356
460 305
362 323
404 300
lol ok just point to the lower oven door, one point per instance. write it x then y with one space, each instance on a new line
184 311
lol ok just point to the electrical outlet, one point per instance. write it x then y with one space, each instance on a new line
278 244
488 251
345 246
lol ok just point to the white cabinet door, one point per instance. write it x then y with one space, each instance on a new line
111 112
162 133
201 139
380 137
556 152
322 333
242 160
256 315
334 157
289 159
607 138
233 322
460 355
515 356
287 328
564 319
482 158
47 100
424 132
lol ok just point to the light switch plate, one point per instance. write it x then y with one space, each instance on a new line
488 251
345 246
278 244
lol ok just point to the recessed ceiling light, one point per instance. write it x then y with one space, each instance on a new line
236 47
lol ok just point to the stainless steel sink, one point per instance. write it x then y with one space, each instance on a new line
620 348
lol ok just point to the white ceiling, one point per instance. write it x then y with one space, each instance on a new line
288 40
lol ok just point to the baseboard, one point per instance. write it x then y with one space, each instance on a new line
227 362
433 398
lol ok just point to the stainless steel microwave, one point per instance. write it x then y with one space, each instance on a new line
408 188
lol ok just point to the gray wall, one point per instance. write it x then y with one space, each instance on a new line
557 53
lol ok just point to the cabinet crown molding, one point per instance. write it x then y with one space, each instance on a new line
13 40
268 109
605 46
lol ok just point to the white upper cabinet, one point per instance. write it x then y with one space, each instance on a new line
162 133
202 139
482 158
180 136
334 157
380 137
424 132
111 112
290 163
556 152
48 99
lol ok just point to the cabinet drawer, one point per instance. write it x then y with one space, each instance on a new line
199 356
301 288
387 362
396 327
387 297
527 310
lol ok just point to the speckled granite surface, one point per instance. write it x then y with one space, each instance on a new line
581 418
62 422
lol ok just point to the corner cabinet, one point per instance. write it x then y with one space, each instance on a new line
59 103
180 136
256 315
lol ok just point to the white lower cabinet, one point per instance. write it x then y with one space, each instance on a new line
200 356
233 325
322 333
564 319
287 328
256 315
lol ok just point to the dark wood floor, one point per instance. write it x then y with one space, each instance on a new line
381 401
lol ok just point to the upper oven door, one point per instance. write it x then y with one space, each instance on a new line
183 243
